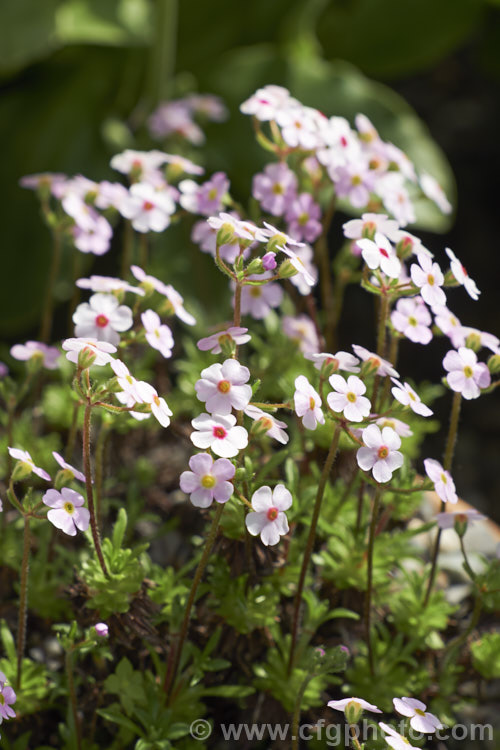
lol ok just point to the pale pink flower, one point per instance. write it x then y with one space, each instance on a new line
275 428
465 374
95 240
245 230
368 225
48 354
420 719
339 361
349 398
48 180
380 453
391 188
204 199
67 467
443 482
108 284
303 216
110 195
412 318
301 329
268 517
100 350
223 388
175 117
7 698
460 273
28 462
275 188
269 261
379 253
158 334
394 739
208 480
304 256
488 340
208 105
307 403
205 236
267 102
102 318
448 520
101 629
67 512
148 209
298 127
449 325
307 278
342 704
177 304
159 407
183 165
383 367
401 428
142 165
220 434
147 280
126 381
404 393
433 190
429 278
258 300
234 334
354 181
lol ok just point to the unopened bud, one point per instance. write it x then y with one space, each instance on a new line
473 341
460 524
269 261
494 364
86 358
287 270
404 248
226 235
276 242
261 427
255 266
21 470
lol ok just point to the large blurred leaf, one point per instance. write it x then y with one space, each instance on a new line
114 22
394 38
27 32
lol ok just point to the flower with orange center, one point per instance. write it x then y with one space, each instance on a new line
223 387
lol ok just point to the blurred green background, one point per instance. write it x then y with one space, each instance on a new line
79 77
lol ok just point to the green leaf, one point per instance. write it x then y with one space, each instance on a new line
229 691
114 22
119 529
27 32
486 655
115 714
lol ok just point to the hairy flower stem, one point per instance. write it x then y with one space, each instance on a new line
369 585
447 462
88 484
237 305
176 648
70 447
354 736
99 468
68 661
48 306
23 600
310 541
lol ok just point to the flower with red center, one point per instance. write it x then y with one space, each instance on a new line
103 318
458 520
379 253
220 434
307 403
148 209
268 517
223 388
460 273
208 480
380 452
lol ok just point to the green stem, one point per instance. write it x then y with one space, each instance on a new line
296 711
163 52
23 600
48 307
88 484
448 460
70 447
143 250
176 648
467 565
369 586
99 468
354 737
310 541
72 697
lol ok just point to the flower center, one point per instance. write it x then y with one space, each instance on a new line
468 372
312 403
219 432
383 452
212 194
419 712
430 279
351 397
208 481
277 188
356 180
224 386
2 700
255 291
101 321
69 508
343 141
272 514
443 478
148 206
303 219
266 422
412 321
412 396
156 399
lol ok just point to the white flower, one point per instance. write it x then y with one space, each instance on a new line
307 403
102 318
28 462
342 704
158 335
349 397
380 454
404 393
433 190
108 284
275 428
101 350
402 429
443 482
369 223
67 512
223 387
147 208
268 518
382 366
177 304
219 434
460 273
67 467
379 253
234 334
395 740
465 374
429 278
420 719
126 380
159 407
339 361
412 318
